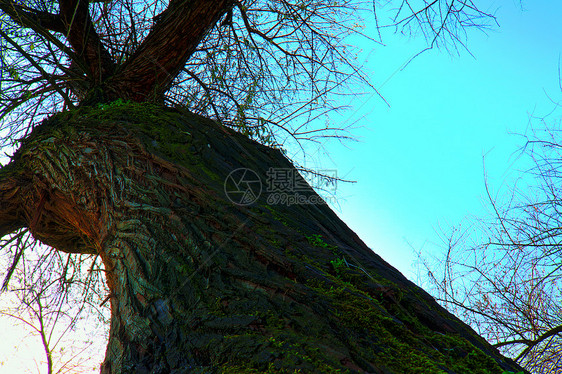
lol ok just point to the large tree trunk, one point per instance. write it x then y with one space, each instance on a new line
202 285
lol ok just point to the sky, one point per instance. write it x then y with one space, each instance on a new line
419 163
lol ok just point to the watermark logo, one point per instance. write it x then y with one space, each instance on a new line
242 186
288 199
284 186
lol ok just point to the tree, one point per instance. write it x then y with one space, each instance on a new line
199 279
52 295
502 274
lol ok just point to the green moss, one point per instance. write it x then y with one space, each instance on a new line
402 341
159 129
284 354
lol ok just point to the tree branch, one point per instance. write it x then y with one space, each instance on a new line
83 38
28 17
532 343
32 61
150 71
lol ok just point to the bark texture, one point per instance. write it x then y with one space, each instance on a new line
201 285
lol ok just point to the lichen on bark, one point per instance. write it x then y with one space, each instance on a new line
199 284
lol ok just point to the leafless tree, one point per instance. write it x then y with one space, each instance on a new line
503 274
53 296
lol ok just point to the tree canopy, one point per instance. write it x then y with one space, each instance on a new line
267 68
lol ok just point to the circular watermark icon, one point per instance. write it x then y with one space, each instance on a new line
242 186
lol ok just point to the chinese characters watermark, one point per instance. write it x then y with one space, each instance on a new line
283 186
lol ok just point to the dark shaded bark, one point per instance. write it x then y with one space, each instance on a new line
201 285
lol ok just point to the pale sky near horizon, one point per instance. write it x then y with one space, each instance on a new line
419 163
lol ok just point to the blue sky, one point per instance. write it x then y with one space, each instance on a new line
419 164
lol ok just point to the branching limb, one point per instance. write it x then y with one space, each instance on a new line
31 18
32 61
84 39
150 71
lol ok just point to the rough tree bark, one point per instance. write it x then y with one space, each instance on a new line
201 285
